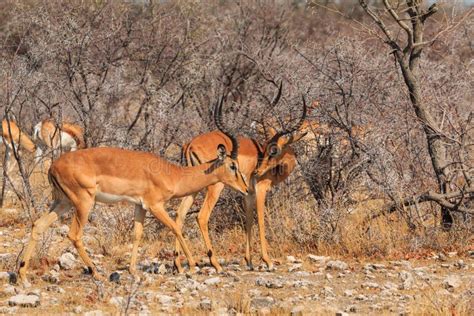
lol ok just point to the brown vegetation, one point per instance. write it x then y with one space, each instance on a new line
144 75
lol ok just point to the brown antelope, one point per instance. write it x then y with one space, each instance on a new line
111 175
278 162
67 137
13 136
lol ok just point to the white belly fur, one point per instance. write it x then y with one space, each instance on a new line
112 198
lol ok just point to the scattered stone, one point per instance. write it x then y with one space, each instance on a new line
318 259
327 291
270 283
164 299
295 267
442 257
162 270
117 301
67 261
297 311
291 259
460 264
370 285
55 289
77 309
52 277
407 280
349 293
390 286
262 302
114 277
351 309
340 313
23 300
336 265
452 282
301 283
212 281
63 230
361 297
374 267
205 304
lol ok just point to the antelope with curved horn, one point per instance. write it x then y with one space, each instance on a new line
276 165
66 136
111 175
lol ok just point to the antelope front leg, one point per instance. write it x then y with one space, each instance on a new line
39 227
183 209
262 189
212 195
160 213
138 233
249 204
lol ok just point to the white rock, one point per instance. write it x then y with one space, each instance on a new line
77 309
165 299
67 261
340 313
295 267
452 282
4 276
336 265
9 290
318 259
370 285
407 280
162 269
297 310
212 281
290 259
349 293
117 301
23 300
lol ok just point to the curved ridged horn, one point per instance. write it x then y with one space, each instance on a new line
221 127
277 96
294 128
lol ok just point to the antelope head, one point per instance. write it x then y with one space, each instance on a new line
278 142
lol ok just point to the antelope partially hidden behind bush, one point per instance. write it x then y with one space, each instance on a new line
110 175
265 165
58 137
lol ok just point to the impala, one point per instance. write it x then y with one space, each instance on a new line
12 136
67 136
278 162
111 175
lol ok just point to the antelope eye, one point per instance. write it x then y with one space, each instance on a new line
273 150
233 167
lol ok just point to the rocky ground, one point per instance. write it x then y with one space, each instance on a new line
310 284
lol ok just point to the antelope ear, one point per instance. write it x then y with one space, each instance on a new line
270 132
221 152
290 139
297 136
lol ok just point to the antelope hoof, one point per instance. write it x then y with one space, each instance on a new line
96 276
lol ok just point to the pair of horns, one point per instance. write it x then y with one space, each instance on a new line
297 126
223 129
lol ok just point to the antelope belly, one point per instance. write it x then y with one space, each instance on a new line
113 198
